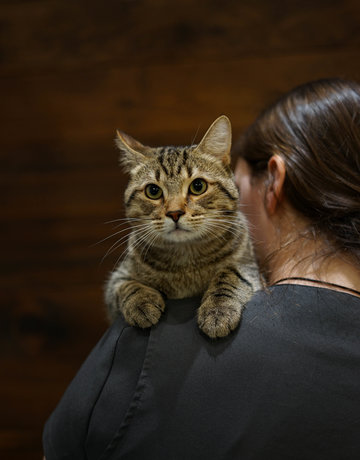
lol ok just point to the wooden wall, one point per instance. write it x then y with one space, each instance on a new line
71 73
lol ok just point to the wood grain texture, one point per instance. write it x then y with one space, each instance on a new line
140 32
71 74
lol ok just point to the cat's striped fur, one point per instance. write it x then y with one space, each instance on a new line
188 236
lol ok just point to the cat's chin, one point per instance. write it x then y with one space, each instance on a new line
179 236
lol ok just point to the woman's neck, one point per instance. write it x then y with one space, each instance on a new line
309 261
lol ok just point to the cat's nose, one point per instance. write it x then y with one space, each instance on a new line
175 215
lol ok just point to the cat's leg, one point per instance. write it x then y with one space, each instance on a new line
223 302
140 305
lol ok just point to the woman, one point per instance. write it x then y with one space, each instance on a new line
286 385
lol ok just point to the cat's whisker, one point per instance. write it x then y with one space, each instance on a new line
115 246
141 235
118 233
226 223
131 222
143 240
229 213
132 247
226 228
154 241
210 231
140 239
127 223
216 217
223 219
224 216
127 219
123 219
137 245
119 242
234 221
151 243
115 267
197 132
140 230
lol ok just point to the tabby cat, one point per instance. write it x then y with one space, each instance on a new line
188 236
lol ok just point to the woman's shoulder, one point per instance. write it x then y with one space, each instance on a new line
283 327
296 298
301 314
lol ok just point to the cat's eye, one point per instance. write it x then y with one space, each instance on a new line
198 187
153 191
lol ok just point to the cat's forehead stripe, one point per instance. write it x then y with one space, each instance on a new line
177 162
162 164
172 159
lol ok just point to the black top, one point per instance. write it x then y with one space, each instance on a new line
285 385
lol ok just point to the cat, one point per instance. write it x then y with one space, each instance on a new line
188 236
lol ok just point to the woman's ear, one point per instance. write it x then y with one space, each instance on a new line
275 188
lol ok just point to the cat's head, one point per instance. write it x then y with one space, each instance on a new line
179 194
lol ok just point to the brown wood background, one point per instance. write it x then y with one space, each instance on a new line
71 73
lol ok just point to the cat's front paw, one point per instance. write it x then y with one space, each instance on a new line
143 308
218 316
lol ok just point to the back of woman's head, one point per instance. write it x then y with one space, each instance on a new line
316 130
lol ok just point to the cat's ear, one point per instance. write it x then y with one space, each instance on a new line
132 151
217 140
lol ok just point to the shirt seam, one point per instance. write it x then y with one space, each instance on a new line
103 385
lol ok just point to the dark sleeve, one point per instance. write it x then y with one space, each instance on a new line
110 367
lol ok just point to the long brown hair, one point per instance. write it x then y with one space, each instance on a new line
315 128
